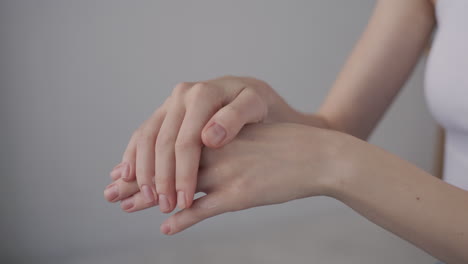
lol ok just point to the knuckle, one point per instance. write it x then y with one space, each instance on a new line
184 144
252 95
144 138
201 84
256 100
233 112
181 88
257 83
205 91
200 89
188 140
164 142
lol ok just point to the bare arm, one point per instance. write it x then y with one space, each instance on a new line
405 200
379 65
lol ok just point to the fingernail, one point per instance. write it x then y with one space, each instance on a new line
116 172
147 193
165 229
114 175
125 171
215 134
181 199
111 192
127 203
163 203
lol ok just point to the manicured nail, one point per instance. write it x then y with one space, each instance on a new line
147 193
127 203
165 229
163 203
115 175
125 171
181 200
116 172
215 134
111 192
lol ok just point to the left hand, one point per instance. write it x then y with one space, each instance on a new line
265 164
163 153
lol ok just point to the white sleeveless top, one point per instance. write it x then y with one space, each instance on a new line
446 86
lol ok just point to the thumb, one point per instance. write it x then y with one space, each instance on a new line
202 208
248 107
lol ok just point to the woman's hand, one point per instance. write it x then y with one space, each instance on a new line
163 153
265 164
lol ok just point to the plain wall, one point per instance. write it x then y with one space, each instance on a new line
77 77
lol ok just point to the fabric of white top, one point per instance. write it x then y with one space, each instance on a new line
446 86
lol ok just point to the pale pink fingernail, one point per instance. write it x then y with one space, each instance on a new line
116 172
127 203
215 134
165 229
147 193
163 203
111 192
181 199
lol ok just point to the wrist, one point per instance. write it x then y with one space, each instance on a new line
341 162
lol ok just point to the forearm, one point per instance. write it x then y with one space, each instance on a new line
406 200
379 65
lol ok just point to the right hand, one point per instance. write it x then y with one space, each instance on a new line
164 152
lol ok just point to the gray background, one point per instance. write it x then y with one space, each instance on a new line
77 77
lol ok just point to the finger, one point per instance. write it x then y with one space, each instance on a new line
129 159
119 190
136 202
116 172
165 150
203 184
129 156
145 167
202 208
188 144
132 199
246 108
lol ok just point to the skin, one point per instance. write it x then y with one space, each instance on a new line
322 154
164 152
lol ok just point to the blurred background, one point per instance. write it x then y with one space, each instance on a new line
77 77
